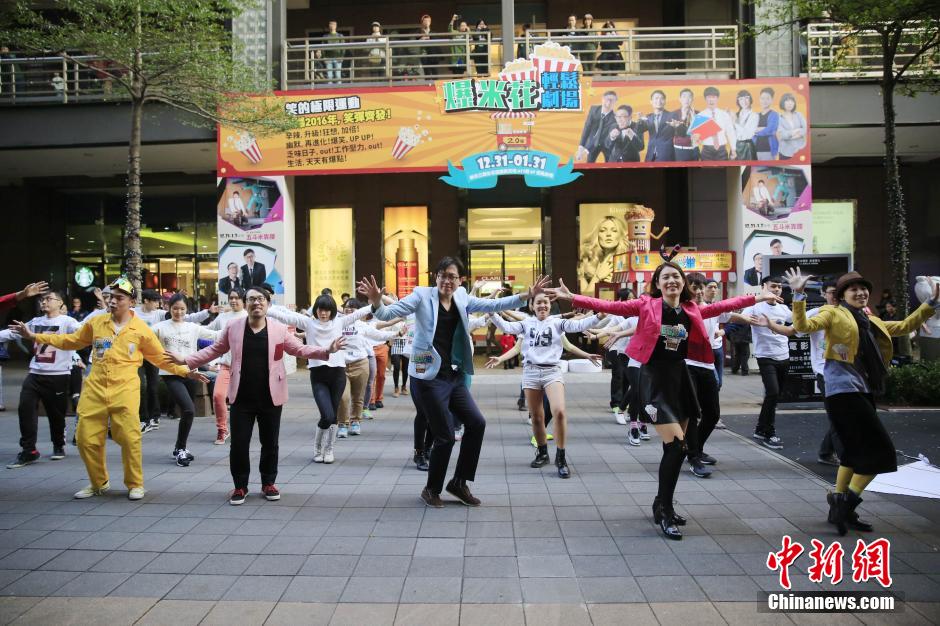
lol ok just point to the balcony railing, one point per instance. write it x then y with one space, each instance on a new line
55 79
666 50
401 58
839 52
395 58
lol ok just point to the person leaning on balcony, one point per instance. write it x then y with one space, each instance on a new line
611 60
333 57
791 132
587 51
458 51
481 48
430 61
376 61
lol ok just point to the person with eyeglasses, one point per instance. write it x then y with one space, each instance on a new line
258 388
120 341
441 359
48 382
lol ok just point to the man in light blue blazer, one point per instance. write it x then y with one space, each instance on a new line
442 356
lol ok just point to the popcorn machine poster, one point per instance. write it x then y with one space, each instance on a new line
558 120
406 248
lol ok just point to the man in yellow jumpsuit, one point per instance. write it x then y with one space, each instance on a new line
120 341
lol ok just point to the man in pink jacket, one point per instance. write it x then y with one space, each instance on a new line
258 388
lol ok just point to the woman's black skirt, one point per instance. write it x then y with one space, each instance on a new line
868 446
667 386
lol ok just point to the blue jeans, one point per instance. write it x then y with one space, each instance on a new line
443 400
334 69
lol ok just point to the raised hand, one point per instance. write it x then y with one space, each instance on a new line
338 344
370 289
540 285
214 308
174 357
33 289
561 292
22 330
797 279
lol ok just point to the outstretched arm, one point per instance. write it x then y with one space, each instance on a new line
578 352
579 325
497 360
508 328
731 304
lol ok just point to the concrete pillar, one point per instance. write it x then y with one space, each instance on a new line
509 31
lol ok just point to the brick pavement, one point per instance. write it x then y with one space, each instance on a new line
350 543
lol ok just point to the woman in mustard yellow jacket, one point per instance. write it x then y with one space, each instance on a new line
858 349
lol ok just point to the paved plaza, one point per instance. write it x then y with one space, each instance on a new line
351 543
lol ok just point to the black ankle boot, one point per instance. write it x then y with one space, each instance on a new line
541 457
851 517
839 511
560 463
671 512
665 521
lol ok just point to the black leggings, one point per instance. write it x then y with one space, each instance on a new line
400 364
630 402
182 390
50 390
328 384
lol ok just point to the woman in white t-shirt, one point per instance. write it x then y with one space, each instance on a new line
541 374
182 338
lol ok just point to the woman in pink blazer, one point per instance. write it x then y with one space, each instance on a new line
258 388
669 330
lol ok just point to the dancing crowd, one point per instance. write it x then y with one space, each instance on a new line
665 349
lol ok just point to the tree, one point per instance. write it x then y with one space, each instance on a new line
908 40
175 52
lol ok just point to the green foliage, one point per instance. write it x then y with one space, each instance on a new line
917 384
178 52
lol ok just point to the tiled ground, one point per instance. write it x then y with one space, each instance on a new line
352 543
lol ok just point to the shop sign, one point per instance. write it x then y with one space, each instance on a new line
693 261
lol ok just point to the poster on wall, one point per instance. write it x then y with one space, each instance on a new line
834 226
332 261
406 248
251 234
607 231
539 118
777 217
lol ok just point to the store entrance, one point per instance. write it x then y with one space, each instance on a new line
505 246
514 263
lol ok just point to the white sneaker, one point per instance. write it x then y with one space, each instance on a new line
620 418
136 493
90 491
458 434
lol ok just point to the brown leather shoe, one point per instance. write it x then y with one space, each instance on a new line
432 499
462 493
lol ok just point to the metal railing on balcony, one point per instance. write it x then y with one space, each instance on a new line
398 58
28 79
666 50
839 52
308 63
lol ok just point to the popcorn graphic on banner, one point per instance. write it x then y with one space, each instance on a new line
408 138
519 69
553 57
246 143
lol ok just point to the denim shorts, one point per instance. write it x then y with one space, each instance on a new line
540 376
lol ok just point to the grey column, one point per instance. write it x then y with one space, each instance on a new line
509 31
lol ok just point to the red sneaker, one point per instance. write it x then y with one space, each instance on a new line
270 492
238 497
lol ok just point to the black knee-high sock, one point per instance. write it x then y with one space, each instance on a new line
669 468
